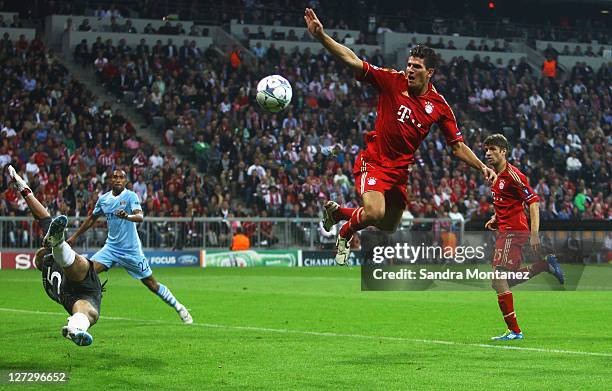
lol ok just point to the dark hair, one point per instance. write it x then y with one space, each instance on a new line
497 140
427 54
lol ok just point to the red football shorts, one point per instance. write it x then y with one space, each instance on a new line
508 246
392 183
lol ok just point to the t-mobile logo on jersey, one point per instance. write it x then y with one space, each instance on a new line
496 198
403 112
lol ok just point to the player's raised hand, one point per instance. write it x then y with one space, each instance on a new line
122 214
314 25
489 174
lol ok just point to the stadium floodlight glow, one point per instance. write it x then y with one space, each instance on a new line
605 12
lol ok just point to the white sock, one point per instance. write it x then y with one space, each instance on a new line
63 254
79 321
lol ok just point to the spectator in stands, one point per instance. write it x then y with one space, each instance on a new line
129 28
291 36
170 49
114 27
566 51
378 58
451 45
549 67
16 23
68 26
195 32
81 53
589 52
85 26
2 21
439 44
550 51
483 47
101 13
259 51
577 51
413 43
148 29
260 33
573 165
142 49
517 154
382 28
240 241
471 45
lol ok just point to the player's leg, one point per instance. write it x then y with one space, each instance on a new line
395 205
38 210
75 266
549 264
84 315
103 260
371 213
505 301
507 257
166 295
138 267
334 213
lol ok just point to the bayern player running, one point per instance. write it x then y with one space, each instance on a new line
408 105
511 192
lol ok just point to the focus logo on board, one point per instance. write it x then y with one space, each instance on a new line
171 260
188 260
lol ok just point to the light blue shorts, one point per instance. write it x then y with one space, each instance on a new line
135 263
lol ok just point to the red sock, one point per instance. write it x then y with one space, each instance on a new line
506 305
343 213
354 224
533 270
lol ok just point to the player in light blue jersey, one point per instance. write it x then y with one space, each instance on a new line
122 210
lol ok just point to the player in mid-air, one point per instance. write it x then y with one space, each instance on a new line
408 105
511 192
68 278
122 210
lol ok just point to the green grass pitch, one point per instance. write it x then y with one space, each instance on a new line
301 328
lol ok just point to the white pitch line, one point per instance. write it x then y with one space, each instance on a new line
330 334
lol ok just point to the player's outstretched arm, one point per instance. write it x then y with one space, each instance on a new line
89 222
464 153
346 55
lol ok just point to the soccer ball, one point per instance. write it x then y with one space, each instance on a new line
274 93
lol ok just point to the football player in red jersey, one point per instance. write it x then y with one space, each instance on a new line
408 105
511 192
